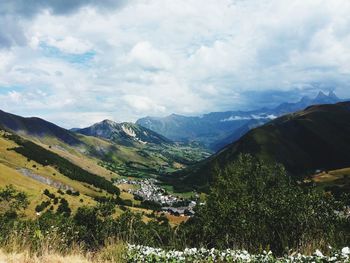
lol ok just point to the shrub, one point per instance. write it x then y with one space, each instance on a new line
253 204
12 201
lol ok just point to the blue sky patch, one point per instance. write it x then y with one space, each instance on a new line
53 52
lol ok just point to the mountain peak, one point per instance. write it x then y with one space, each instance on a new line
107 122
323 98
321 95
305 99
124 133
332 95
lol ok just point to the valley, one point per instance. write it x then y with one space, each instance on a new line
162 131
89 166
116 174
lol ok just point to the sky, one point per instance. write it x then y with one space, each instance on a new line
77 62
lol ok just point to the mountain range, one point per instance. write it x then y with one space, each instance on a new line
307 141
124 148
37 154
217 129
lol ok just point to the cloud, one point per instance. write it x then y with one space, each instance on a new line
148 57
70 44
11 32
143 104
61 7
127 59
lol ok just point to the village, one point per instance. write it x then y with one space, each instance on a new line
148 190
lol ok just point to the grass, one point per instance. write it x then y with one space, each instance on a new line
337 181
11 161
113 252
34 189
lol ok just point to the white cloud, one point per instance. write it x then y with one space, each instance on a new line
144 54
143 104
188 56
70 45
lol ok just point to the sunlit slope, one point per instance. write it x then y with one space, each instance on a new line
131 149
12 166
338 181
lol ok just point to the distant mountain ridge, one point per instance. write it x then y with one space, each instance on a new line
317 138
124 133
215 129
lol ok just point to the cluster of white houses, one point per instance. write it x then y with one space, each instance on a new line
148 190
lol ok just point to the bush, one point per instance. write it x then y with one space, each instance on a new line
42 206
48 194
63 208
253 204
12 201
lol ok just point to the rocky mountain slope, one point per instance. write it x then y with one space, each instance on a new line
123 133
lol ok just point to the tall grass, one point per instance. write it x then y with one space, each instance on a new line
20 248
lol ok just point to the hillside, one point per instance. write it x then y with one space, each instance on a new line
217 129
218 145
139 152
317 138
36 127
33 169
122 148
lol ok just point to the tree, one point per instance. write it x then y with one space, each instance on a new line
253 204
12 201
63 208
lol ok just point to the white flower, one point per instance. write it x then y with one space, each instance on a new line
318 253
345 251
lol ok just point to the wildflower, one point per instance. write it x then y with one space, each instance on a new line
345 251
318 253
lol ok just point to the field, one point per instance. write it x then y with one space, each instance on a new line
337 181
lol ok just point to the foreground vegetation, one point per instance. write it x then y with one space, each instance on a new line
252 205
149 254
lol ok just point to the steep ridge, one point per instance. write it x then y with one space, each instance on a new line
317 138
36 127
215 129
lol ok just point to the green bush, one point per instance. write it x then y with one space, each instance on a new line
253 204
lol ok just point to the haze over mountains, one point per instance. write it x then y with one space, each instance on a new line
217 129
304 141
317 138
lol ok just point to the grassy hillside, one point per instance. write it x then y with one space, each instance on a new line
35 168
337 181
317 138
12 166
123 148
36 127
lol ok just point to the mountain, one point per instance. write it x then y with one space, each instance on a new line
238 133
123 133
139 152
36 127
317 138
107 147
215 129
321 98
206 129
